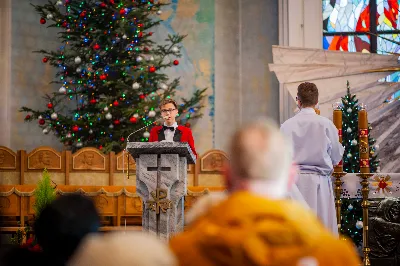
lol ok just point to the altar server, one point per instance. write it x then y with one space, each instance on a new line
253 224
316 150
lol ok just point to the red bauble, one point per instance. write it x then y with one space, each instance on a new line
176 62
27 117
103 76
100 147
93 101
41 122
146 49
150 33
96 46
112 2
140 25
82 14
152 69
42 21
67 2
133 119
115 103
140 34
117 122
45 59
75 128
103 5
122 139
49 105
64 24
142 96
122 11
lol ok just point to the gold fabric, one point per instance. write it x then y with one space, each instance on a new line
251 230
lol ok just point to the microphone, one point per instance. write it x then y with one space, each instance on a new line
159 119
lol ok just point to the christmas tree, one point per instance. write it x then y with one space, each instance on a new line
111 74
352 213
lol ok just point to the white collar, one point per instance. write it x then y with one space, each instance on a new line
174 125
307 110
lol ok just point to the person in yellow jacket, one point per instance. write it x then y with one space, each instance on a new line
254 224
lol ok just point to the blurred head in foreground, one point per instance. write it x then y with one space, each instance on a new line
62 225
261 160
123 249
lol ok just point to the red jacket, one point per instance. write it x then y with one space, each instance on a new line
182 134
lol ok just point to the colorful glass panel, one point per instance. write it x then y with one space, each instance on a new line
345 15
387 15
388 43
348 43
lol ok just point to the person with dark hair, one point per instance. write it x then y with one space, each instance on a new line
170 131
316 150
62 225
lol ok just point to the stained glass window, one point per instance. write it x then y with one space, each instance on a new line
387 15
345 15
388 43
349 43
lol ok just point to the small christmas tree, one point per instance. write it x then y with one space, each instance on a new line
352 213
44 193
111 73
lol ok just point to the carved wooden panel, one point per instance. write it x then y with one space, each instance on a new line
44 157
89 159
9 205
122 162
105 205
8 159
133 206
214 161
190 168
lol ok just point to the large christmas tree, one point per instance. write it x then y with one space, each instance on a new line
351 207
110 73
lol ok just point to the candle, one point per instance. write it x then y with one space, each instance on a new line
337 121
363 140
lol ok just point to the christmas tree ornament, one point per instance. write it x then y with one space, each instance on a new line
152 69
376 146
349 155
45 131
350 207
75 128
79 144
349 110
40 117
163 86
59 3
102 5
359 224
146 134
105 109
54 116
41 122
69 135
136 115
115 103
133 120
348 130
139 59
122 139
49 105
152 114
151 58
176 62
111 126
159 12
45 59
27 117
175 49
122 11
96 46
77 60
117 122
103 76
92 101
108 116
354 142
78 70
124 36
90 131
42 21
49 16
135 86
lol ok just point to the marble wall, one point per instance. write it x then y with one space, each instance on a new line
243 87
